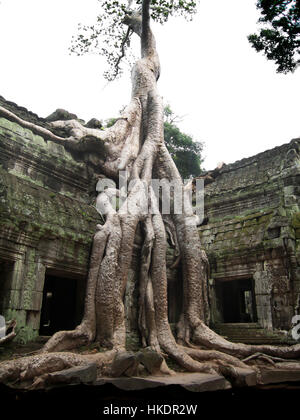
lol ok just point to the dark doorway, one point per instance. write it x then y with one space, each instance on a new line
175 295
60 305
6 275
237 300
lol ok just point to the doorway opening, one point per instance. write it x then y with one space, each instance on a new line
175 296
62 305
237 300
6 275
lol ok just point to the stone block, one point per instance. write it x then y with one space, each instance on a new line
11 299
40 277
273 376
33 319
17 276
80 374
244 377
263 282
125 363
31 300
264 313
150 359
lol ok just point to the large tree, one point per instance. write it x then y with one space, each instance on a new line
279 36
185 152
135 143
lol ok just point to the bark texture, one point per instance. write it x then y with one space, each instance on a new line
136 144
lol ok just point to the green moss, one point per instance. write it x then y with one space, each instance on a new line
228 238
26 207
247 215
27 178
296 220
25 333
29 279
36 144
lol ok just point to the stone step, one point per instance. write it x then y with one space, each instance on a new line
250 333
255 340
240 325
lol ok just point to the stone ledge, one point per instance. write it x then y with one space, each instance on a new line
195 382
275 376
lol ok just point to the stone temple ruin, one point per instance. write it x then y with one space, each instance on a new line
251 233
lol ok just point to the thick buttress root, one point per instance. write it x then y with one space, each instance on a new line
136 144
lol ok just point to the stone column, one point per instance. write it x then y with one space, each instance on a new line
215 311
22 294
11 291
263 290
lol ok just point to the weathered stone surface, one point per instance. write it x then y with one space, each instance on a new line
250 232
61 115
275 376
195 382
245 377
47 221
80 374
251 333
94 123
125 363
150 359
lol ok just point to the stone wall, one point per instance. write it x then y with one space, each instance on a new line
47 221
252 232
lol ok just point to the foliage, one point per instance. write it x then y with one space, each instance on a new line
109 37
296 220
185 152
279 38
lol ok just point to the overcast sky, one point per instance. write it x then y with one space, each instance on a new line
231 97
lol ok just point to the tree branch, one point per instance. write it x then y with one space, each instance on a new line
122 55
147 38
145 17
36 129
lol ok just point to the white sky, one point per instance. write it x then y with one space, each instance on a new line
231 97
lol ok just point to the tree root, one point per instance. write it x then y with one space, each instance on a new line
34 370
270 359
10 332
40 370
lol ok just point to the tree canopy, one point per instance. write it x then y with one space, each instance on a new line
185 152
114 42
279 37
